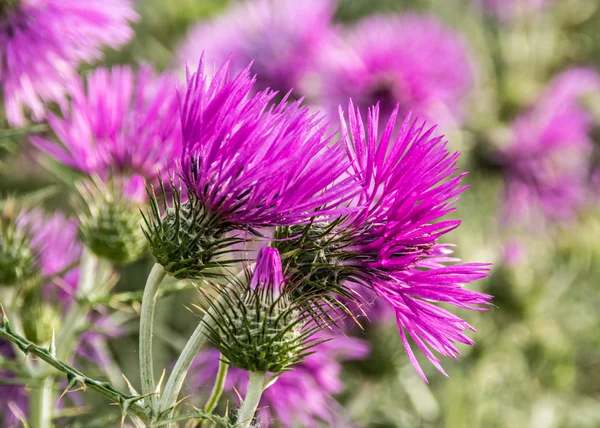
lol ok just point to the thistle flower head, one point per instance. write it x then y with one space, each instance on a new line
389 244
121 126
42 43
547 163
257 326
258 165
281 38
411 60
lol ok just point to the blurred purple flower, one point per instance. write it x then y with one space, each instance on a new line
281 38
412 60
42 42
54 240
120 125
257 164
547 163
300 397
408 186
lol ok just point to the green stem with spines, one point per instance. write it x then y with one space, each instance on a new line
128 403
155 278
256 381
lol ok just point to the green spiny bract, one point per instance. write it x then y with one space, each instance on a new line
18 260
111 224
257 331
185 239
315 255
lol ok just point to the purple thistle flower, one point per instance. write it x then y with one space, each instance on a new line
42 42
281 38
267 273
254 164
119 125
547 162
412 60
300 397
408 186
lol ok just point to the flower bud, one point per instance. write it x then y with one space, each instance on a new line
257 327
18 261
183 237
111 224
40 318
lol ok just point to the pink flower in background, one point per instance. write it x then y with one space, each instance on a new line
301 397
120 124
412 60
42 43
282 39
54 241
547 164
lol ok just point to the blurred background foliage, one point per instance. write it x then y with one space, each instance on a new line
536 362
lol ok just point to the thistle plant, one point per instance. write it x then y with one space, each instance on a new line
231 174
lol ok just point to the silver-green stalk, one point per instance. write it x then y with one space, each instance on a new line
155 278
256 382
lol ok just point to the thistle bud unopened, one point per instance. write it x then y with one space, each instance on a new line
111 224
258 328
17 257
40 318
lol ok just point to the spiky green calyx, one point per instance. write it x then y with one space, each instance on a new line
258 331
18 260
184 238
111 224
314 255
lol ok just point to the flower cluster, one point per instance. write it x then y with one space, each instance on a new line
42 42
363 209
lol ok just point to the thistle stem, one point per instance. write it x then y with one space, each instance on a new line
77 314
128 403
155 278
183 364
217 390
255 389
41 403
